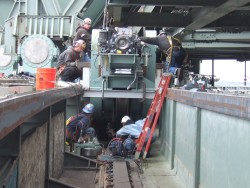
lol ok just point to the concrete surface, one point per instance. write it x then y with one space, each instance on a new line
156 171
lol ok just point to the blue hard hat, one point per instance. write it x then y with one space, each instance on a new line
89 108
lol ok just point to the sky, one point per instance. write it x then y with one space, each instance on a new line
227 70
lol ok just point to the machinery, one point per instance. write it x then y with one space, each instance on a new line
122 73
90 147
120 62
33 33
38 51
122 147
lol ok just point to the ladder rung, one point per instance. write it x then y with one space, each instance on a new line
153 114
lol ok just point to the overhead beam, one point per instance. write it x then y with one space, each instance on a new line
186 3
212 36
156 20
232 20
179 21
215 45
51 7
208 15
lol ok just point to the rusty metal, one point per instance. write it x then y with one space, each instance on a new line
122 173
15 110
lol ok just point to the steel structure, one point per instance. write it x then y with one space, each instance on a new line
209 29
34 122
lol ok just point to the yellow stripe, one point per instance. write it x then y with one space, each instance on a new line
170 49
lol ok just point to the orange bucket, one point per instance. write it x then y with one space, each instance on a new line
45 78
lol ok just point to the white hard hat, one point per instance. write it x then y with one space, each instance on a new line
87 21
125 119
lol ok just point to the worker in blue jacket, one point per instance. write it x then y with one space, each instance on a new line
78 126
132 128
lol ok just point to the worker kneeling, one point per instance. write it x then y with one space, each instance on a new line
69 66
125 142
78 127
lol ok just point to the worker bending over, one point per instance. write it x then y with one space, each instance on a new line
133 129
79 126
173 50
129 127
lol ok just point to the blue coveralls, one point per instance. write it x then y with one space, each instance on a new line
78 127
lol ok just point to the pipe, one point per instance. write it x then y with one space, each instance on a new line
212 81
103 81
130 85
245 76
105 15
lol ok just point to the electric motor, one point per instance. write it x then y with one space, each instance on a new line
129 145
116 147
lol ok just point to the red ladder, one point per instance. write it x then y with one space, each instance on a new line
152 116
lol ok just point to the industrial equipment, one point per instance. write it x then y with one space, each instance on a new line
33 37
38 51
122 73
121 62
89 147
122 146
6 63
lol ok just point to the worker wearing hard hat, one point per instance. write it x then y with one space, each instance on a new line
77 126
67 64
131 128
82 32
172 48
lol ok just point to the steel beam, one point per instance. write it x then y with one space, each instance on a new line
94 93
221 36
27 105
205 16
186 3
155 19
215 45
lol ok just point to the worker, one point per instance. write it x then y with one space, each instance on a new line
129 128
79 126
82 32
68 61
172 48
134 129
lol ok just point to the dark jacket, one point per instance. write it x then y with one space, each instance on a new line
77 127
67 58
161 41
178 53
83 34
